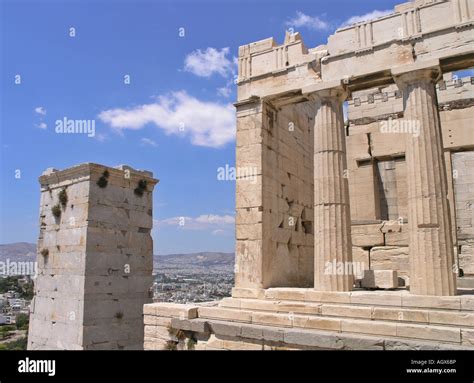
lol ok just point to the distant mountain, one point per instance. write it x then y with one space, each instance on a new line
19 251
24 252
203 259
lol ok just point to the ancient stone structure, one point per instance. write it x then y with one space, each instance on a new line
95 258
301 233
378 185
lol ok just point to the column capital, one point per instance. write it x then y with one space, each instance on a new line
326 90
423 71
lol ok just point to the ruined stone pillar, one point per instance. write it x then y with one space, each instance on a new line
430 244
95 258
332 223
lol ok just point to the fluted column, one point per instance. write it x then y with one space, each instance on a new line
332 223
430 243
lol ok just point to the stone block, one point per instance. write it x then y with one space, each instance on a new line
313 339
467 337
435 333
380 279
171 310
225 329
390 258
310 322
252 332
382 298
367 235
225 314
327 296
346 311
451 318
450 303
194 325
368 327
284 320
398 314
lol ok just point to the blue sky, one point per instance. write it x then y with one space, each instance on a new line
175 117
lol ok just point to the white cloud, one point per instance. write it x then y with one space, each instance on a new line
207 123
40 110
148 142
42 125
302 20
368 16
217 223
101 137
216 219
208 62
225 91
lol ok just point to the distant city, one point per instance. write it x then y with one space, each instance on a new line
180 278
198 277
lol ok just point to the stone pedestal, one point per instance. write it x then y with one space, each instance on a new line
332 225
95 259
430 243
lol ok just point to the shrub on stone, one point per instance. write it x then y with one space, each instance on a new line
191 343
63 198
171 345
141 188
56 210
103 180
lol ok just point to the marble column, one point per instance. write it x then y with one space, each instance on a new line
332 223
430 243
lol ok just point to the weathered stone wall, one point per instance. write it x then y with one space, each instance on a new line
94 259
274 224
378 178
288 222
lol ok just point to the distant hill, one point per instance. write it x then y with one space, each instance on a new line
24 251
205 259
19 251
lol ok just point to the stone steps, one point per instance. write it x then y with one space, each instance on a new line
240 336
398 298
397 330
369 312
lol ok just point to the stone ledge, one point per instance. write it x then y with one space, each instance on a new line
171 310
448 333
396 314
399 298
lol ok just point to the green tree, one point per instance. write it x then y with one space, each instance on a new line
22 321
19 344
